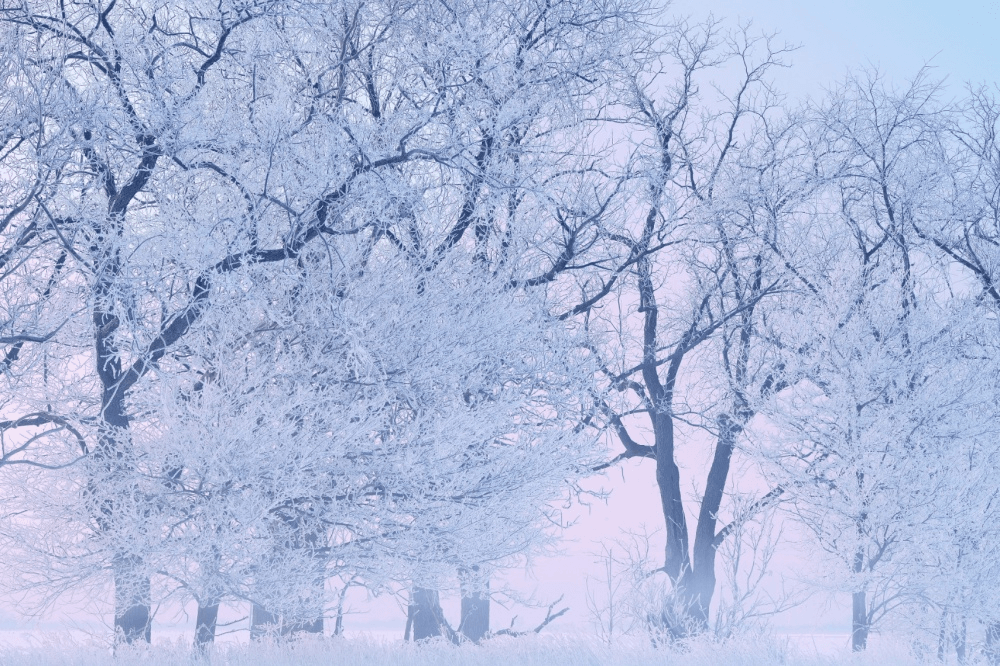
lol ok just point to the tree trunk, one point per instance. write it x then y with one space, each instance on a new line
427 616
263 623
991 650
427 613
859 622
943 636
133 597
668 479
702 578
338 627
961 637
204 625
677 621
475 622
133 621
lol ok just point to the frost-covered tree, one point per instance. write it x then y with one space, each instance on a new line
872 441
397 470
718 179
32 262
186 148
888 383
294 291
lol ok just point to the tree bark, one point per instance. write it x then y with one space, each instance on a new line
205 624
427 616
678 621
961 637
703 570
263 623
668 481
860 626
991 650
475 622
133 620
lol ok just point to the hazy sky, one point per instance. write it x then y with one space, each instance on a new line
957 37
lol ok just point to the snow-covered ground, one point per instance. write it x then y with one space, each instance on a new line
528 651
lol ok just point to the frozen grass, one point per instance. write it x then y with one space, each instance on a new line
527 651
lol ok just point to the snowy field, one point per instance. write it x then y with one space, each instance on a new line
529 651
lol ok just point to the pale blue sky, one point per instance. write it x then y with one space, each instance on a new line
960 38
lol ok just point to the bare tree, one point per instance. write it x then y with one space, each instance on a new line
879 390
709 234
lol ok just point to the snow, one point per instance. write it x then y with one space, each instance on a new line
526 651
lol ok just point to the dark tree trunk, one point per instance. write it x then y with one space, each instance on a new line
702 577
860 626
133 621
677 621
204 625
668 479
475 622
961 636
427 616
943 636
133 612
426 613
692 574
263 623
991 650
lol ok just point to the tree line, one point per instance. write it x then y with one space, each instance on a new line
296 291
